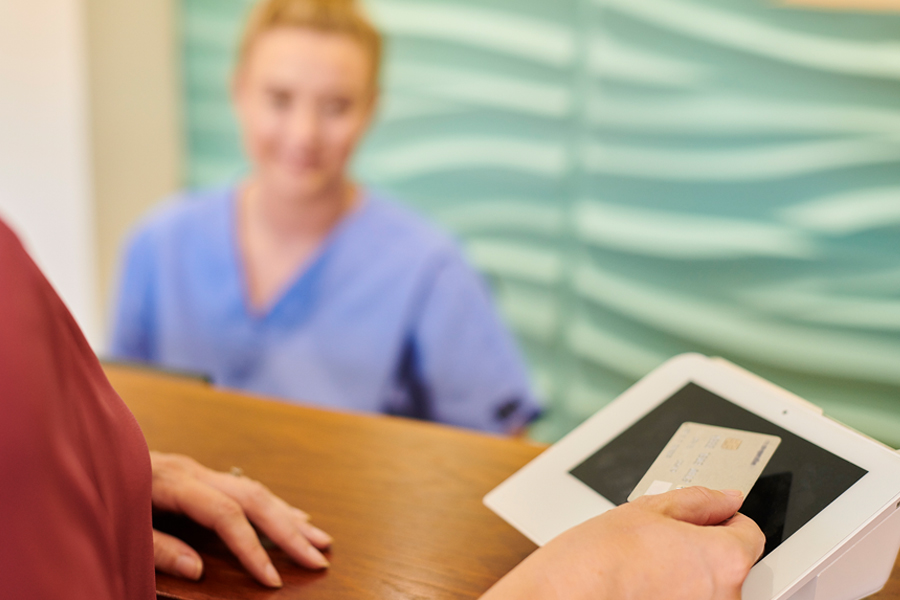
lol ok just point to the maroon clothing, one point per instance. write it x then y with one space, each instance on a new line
75 514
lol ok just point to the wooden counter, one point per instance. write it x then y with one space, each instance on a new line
401 498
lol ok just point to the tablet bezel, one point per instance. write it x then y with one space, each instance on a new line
543 499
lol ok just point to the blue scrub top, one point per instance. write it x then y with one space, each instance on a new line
386 317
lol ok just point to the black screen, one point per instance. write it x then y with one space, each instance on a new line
799 481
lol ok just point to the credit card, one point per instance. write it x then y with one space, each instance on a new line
718 458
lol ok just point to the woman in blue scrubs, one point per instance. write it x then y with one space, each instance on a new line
300 283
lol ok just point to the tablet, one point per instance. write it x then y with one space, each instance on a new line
825 488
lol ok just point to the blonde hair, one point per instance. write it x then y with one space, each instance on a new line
343 17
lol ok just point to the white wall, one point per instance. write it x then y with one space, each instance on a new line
45 172
135 123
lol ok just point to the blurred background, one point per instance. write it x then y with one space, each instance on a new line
635 178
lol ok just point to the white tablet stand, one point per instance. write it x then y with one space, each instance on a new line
860 571
866 565
845 552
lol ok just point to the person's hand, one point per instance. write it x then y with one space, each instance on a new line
224 502
686 544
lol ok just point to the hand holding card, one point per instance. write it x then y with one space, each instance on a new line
683 545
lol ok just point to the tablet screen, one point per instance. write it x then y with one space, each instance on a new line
799 481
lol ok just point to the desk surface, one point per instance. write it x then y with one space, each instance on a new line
402 499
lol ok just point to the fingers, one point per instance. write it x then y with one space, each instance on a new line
316 536
697 505
288 527
319 538
174 557
748 535
732 549
224 502
213 509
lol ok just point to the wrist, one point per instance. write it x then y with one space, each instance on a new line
554 573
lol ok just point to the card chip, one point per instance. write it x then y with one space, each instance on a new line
731 444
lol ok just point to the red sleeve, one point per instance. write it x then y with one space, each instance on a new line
75 513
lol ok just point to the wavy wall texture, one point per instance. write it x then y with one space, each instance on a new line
640 178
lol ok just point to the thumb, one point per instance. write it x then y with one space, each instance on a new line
697 505
174 557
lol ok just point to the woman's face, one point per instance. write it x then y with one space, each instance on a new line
304 100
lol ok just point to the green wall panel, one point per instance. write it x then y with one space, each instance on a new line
639 178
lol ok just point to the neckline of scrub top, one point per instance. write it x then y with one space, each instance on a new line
302 272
